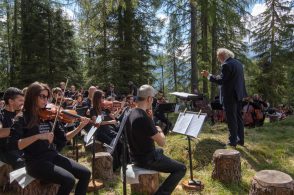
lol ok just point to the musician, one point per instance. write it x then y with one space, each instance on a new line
72 92
159 114
14 100
107 132
107 129
35 137
132 89
111 93
233 91
2 104
57 97
142 133
88 100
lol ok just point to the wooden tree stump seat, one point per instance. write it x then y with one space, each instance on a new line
143 181
271 182
24 184
98 147
103 168
36 187
5 169
227 165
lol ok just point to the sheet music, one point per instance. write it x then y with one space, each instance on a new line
183 94
183 122
21 176
189 124
93 129
196 125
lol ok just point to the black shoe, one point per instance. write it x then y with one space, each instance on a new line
231 145
240 143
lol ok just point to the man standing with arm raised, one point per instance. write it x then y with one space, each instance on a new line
233 91
142 133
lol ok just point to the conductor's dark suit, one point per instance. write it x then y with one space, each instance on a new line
233 91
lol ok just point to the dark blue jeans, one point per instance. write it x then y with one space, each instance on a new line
159 162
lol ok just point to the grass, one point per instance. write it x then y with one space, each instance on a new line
267 147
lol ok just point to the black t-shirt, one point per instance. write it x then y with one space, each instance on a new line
6 118
40 149
140 128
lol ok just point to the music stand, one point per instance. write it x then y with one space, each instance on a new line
90 138
110 148
190 124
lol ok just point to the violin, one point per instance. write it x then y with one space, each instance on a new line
65 116
111 105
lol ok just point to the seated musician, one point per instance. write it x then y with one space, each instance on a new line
159 114
107 131
14 100
34 136
142 133
259 106
57 96
111 92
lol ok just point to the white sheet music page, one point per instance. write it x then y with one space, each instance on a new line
196 125
93 129
182 123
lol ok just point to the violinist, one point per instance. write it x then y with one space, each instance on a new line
107 130
36 138
14 100
142 133
57 96
88 100
72 92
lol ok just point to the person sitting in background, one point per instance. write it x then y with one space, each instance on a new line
111 93
14 100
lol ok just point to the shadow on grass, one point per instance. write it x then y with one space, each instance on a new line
204 151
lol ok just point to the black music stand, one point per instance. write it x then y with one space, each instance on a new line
121 135
190 124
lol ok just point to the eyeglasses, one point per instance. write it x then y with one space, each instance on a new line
43 97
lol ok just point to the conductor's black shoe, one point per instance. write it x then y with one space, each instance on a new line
231 145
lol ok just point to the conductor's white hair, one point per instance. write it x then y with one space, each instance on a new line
227 53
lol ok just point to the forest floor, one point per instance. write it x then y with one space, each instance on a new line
267 147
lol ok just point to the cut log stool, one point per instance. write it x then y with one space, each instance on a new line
98 147
103 166
36 188
5 169
227 166
142 181
271 182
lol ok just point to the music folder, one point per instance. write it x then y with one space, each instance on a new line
189 123
89 137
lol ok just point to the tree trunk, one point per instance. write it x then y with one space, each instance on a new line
204 25
271 182
213 49
194 65
227 166
36 188
4 174
175 71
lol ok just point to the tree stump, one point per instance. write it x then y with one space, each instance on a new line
5 169
103 166
227 166
271 182
98 147
148 184
36 188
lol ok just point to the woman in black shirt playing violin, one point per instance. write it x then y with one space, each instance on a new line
36 138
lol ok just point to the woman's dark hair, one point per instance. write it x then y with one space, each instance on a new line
31 99
97 101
